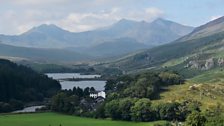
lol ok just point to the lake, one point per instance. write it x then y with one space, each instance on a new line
98 85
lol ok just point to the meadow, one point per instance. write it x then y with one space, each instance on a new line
55 119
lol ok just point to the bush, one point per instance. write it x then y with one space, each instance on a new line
215 121
196 119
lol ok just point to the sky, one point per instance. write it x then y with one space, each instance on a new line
18 16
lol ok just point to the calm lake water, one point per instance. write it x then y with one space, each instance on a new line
98 85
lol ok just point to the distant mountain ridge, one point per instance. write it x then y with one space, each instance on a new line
155 33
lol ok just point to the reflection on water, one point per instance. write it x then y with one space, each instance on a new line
98 85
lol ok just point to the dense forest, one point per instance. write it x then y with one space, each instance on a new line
20 85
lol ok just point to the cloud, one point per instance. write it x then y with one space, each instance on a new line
77 22
215 17
154 12
33 2
18 16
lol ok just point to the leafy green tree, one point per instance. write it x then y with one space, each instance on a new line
169 111
112 109
110 85
170 78
100 111
125 107
141 111
57 102
112 96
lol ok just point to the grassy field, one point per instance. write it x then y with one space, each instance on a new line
54 119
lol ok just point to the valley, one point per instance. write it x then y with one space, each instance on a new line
113 64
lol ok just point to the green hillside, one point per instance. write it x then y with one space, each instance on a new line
194 54
174 52
38 54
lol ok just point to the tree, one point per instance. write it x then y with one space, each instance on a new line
169 111
110 84
196 119
125 107
100 111
92 89
57 102
86 92
141 110
170 78
79 92
74 90
112 109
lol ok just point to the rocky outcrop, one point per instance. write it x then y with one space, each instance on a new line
209 64
220 62
194 65
204 64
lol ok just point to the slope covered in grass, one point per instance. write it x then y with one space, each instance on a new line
208 94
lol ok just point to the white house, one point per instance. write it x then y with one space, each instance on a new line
97 94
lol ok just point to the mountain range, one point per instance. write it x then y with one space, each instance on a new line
155 33
123 37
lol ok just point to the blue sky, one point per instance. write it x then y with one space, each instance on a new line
17 16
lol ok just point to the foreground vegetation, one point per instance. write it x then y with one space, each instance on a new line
54 119
144 97
147 97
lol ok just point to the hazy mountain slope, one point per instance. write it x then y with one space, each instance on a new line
155 33
50 36
43 36
41 54
189 51
112 48
209 28
117 47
